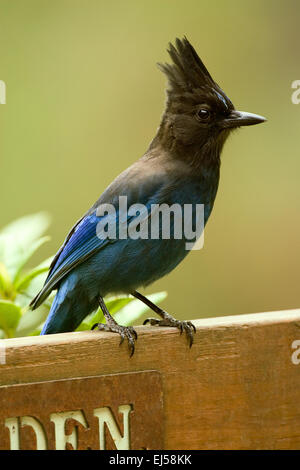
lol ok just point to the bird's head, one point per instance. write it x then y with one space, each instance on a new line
198 113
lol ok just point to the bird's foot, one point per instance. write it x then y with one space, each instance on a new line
168 320
124 331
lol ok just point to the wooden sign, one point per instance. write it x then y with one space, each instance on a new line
236 388
122 411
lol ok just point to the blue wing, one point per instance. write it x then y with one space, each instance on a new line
81 243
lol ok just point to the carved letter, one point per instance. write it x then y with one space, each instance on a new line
2 92
105 416
14 431
59 420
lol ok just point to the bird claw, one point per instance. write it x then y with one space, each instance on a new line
131 335
190 330
124 331
152 321
186 326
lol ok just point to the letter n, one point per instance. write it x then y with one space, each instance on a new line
105 416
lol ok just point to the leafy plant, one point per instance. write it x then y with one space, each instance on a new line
18 285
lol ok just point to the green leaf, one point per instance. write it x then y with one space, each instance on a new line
6 287
35 332
25 281
31 320
83 327
17 238
132 312
114 304
91 319
28 254
10 315
125 310
27 228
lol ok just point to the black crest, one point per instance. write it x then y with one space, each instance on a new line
187 71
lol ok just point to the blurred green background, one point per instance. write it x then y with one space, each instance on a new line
84 99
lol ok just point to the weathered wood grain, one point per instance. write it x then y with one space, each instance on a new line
236 388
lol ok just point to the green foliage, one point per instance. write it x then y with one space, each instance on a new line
19 284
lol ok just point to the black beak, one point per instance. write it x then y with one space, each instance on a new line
240 118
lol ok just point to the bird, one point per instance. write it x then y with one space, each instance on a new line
181 166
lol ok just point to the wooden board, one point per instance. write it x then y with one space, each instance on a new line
103 412
238 387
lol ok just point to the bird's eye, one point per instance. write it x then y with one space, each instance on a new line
203 114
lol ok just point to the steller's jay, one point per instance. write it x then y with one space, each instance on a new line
181 166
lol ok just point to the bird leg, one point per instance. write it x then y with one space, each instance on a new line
167 319
112 326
